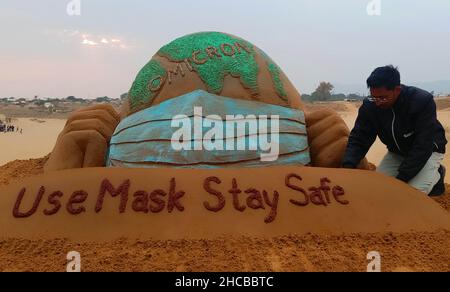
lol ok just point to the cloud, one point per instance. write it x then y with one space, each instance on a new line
103 41
88 42
88 39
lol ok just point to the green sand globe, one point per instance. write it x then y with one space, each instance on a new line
216 62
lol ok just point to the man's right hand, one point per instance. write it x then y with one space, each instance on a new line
84 139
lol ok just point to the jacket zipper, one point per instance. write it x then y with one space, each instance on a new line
437 147
393 134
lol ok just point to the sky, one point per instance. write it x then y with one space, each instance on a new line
47 52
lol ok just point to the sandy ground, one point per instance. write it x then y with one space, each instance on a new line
405 252
37 139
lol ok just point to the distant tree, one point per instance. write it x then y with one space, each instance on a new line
339 96
71 98
323 91
124 96
102 99
432 93
307 98
355 96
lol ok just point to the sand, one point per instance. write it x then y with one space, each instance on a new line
399 252
410 251
37 139
368 206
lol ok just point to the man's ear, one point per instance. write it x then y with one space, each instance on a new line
398 90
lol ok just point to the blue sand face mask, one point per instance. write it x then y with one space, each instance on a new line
203 130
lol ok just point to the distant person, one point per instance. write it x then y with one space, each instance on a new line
404 118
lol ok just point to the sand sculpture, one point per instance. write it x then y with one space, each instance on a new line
216 63
202 194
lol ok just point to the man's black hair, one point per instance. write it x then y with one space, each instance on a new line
387 76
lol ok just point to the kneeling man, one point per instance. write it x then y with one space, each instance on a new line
404 118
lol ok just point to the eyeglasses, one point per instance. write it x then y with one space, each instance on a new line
375 99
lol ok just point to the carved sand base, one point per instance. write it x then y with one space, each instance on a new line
102 204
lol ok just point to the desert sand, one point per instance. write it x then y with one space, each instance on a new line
37 139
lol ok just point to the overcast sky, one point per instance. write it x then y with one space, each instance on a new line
46 52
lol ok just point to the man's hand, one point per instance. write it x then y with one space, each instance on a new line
327 138
84 139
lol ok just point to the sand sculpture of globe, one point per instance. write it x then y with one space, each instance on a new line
218 64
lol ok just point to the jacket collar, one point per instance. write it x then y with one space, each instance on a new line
401 98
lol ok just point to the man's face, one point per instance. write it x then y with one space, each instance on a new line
383 97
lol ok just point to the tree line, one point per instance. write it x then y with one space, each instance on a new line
324 92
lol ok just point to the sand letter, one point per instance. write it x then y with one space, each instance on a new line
178 69
53 200
196 60
235 191
106 186
316 196
140 203
239 46
294 187
221 199
337 192
325 188
211 52
17 213
273 205
255 200
160 204
76 198
230 53
174 197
